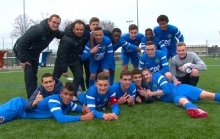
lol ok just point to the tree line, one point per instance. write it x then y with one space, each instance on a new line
18 25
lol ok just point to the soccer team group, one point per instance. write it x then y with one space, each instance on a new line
152 78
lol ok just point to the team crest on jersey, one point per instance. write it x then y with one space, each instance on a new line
2 119
136 42
154 86
169 36
106 100
103 47
157 61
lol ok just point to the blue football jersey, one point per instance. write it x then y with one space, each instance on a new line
97 102
156 64
159 82
119 92
135 42
52 106
170 36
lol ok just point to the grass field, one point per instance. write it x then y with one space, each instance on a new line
156 120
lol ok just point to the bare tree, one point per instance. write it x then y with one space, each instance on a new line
107 24
44 15
64 24
18 25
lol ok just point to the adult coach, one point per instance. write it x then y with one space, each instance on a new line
32 43
168 34
185 66
70 48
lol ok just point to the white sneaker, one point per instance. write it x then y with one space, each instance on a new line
74 98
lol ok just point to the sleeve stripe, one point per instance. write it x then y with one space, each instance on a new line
91 105
163 57
134 91
163 83
110 51
74 107
89 97
84 51
124 44
162 46
160 79
87 47
109 45
164 64
141 62
53 100
114 94
54 109
180 36
177 32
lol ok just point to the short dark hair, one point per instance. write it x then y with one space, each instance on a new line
102 76
78 22
116 30
124 72
162 18
150 43
97 28
46 75
132 26
148 29
145 69
54 15
69 86
93 19
136 71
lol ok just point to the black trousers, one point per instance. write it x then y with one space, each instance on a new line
86 63
76 69
30 77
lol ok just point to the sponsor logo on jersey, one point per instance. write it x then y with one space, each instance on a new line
2 119
157 61
106 100
169 36
103 47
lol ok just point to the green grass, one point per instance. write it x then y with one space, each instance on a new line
158 120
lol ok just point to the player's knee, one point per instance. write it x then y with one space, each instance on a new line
182 101
195 72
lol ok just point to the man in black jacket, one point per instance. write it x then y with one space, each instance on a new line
32 43
68 53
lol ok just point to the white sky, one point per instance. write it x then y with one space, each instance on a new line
198 20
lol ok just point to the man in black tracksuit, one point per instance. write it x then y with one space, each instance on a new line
68 53
31 44
94 22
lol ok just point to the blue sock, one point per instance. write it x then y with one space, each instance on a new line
81 98
111 78
217 97
91 82
189 105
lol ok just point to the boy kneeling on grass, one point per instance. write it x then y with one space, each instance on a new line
52 106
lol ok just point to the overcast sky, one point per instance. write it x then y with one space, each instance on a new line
198 20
